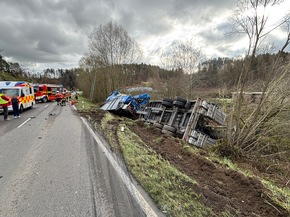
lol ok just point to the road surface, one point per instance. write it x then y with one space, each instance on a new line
53 164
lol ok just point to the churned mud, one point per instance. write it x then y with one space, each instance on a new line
221 189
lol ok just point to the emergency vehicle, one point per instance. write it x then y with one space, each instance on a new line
22 90
46 92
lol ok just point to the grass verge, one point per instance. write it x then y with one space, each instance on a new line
83 103
170 189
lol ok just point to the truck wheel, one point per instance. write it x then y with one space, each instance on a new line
168 100
44 99
187 105
181 99
167 103
179 104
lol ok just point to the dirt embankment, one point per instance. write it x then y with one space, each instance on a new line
221 189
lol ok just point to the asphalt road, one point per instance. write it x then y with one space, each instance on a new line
53 164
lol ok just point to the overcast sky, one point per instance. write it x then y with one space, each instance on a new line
42 34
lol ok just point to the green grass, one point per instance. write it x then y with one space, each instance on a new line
280 195
83 103
108 117
171 190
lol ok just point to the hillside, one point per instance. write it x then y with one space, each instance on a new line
186 181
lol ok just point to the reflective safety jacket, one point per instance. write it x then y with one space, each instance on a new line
4 101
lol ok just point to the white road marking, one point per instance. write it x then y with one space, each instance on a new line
130 186
30 118
24 122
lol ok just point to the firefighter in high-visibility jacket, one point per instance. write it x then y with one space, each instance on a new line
4 102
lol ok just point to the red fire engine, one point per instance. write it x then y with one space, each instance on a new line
46 92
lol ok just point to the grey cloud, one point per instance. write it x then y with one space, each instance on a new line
55 31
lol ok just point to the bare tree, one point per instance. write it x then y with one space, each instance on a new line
185 56
91 66
113 45
248 124
287 28
251 18
110 45
182 55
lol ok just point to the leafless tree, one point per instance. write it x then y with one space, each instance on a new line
113 45
185 56
182 55
251 18
286 26
248 124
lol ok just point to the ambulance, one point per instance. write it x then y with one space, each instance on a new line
46 92
22 90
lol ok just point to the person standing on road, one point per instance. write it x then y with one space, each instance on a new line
58 97
15 106
4 102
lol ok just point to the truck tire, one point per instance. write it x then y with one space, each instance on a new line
179 104
168 100
44 99
187 105
167 103
181 99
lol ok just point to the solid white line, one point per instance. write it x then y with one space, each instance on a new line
130 186
24 122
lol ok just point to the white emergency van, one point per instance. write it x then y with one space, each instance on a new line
22 90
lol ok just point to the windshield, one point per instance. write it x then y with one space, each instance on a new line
10 92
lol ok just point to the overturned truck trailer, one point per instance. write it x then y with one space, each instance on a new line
197 122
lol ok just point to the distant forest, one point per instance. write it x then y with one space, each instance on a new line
212 77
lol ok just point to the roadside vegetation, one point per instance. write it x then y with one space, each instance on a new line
170 189
83 103
248 172
173 186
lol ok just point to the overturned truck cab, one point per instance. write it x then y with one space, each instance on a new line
125 105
